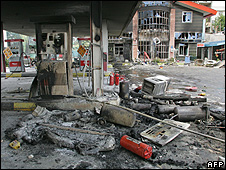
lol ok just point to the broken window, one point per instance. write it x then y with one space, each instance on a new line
186 17
183 49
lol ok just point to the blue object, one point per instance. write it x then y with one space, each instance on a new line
187 59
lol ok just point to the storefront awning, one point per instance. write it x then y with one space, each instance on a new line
215 43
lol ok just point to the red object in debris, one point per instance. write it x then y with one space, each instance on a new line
122 78
111 79
194 89
135 146
116 79
138 89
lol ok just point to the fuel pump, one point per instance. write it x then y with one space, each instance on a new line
16 62
54 54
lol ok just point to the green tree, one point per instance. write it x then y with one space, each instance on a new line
219 22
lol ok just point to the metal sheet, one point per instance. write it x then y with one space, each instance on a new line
162 133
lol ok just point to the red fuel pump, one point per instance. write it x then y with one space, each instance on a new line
116 79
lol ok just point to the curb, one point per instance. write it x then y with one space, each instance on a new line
34 74
18 106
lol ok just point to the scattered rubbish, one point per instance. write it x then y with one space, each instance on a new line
138 89
141 106
210 63
202 94
193 89
101 121
72 116
90 149
124 90
191 113
165 109
76 129
199 62
218 116
31 156
2 141
135 146
162 133
118 115
155 85
15 144
39 111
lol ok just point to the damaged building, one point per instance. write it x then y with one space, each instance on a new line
164 30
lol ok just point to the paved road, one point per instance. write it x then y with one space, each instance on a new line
209 79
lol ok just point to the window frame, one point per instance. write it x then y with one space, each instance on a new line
183 15
179 52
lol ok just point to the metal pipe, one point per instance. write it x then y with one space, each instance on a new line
159 120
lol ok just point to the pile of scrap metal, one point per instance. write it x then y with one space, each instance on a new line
60 126
174 109
182 106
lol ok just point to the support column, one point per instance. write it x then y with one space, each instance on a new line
97 51
210 50
172 33
105 43
38 32
3 66
135 37
69 59
202 53
203 30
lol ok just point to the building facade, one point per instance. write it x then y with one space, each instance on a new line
163 30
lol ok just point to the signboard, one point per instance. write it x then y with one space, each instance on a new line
81 50
7 52
200 45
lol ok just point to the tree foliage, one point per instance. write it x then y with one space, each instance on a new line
220 22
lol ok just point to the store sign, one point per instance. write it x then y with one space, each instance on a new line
81 50
7 52
200 45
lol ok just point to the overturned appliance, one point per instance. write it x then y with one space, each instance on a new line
155 85
162 133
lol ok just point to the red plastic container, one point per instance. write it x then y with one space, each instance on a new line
135 146
111 79
194 89
116 79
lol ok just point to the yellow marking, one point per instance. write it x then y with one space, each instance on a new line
110 66
24 106
107 74
79 74
13 75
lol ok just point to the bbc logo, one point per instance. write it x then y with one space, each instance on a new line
215 164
